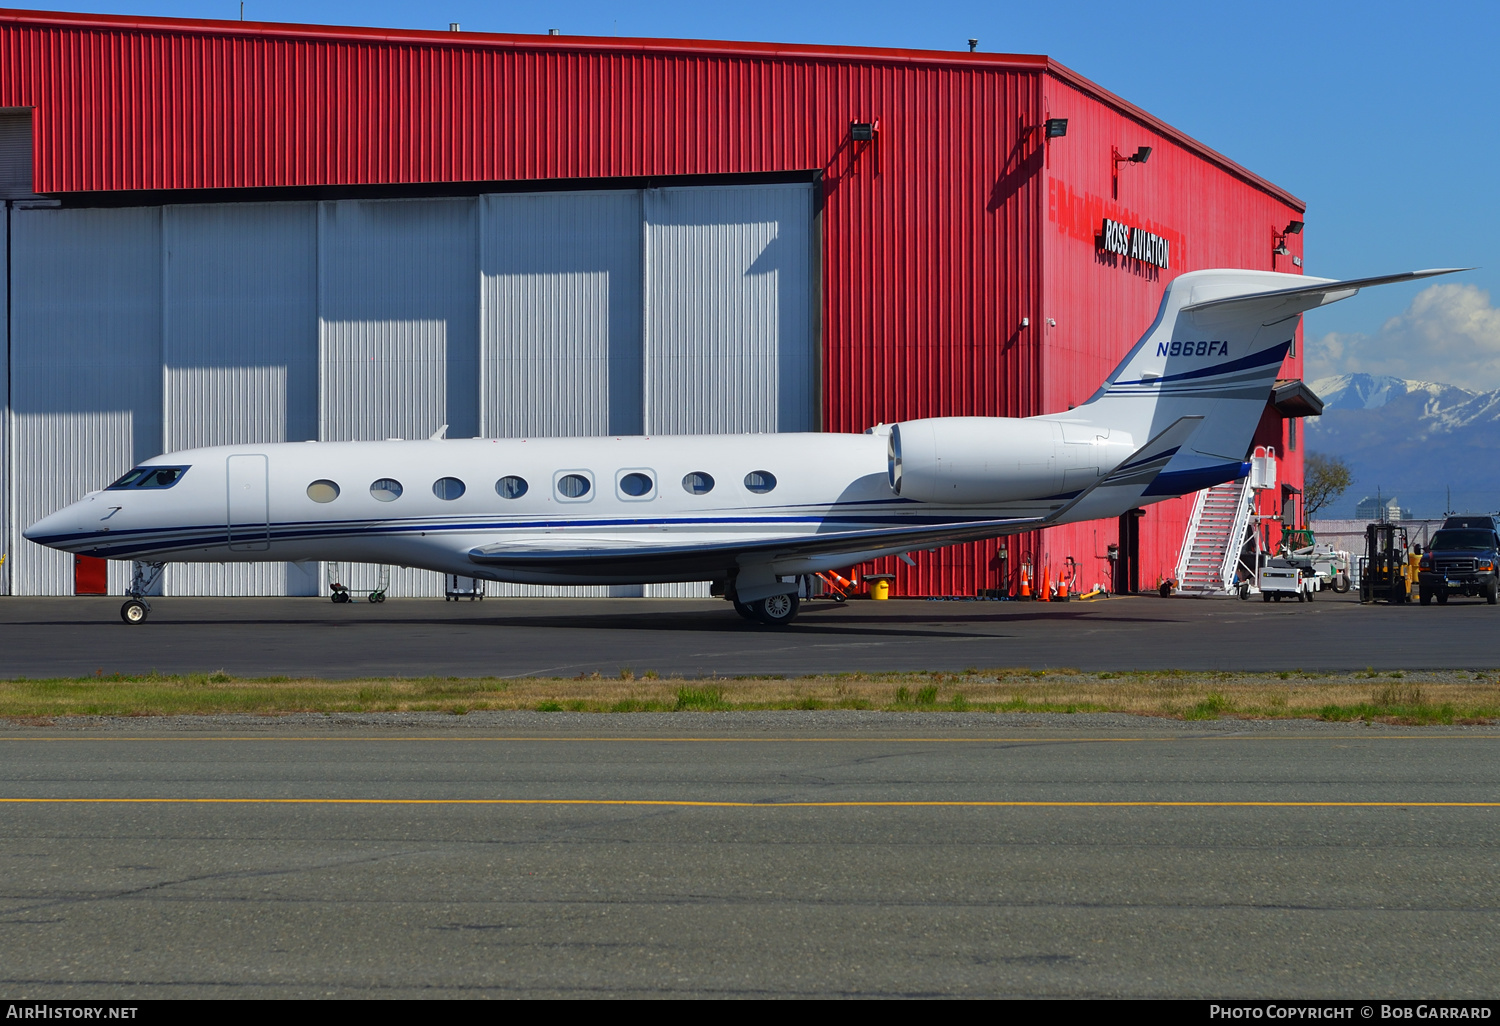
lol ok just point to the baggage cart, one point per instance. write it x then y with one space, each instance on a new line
456 588
340 590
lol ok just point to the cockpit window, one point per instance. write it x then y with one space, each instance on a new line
150 477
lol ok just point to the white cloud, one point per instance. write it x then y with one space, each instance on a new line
1449 333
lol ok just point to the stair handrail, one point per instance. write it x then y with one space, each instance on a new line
1195 520
1236 540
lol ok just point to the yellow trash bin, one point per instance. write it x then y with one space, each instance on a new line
880 586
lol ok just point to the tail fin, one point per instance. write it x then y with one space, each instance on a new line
1213 352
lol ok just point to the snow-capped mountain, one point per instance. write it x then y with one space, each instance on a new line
1417 441
1371 391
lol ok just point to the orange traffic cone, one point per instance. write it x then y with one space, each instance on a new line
1062 589
1044 593
1026 580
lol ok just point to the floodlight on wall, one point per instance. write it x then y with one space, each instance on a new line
1140 156
1278 242
867 133
1056 127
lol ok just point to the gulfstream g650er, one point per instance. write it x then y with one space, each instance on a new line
744 511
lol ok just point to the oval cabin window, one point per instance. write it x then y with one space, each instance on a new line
510 487
573 486
386 489
760 481
636 485
448 488
322 491
698 483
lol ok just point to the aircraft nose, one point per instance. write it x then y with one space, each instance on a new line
49 527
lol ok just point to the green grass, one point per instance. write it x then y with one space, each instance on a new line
1403 696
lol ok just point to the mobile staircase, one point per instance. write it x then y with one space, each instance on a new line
1222 518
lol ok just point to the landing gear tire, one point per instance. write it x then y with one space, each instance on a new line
776 610
134 611
748 612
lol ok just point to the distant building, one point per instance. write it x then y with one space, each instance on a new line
1374 508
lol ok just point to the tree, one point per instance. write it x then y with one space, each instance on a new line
1324 478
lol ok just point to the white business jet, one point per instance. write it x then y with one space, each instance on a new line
747 512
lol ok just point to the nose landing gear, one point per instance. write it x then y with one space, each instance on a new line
142 580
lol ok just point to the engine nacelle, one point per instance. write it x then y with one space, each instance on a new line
983 460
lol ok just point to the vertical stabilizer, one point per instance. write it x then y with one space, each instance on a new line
1213 352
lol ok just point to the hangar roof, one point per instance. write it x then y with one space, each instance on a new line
14 89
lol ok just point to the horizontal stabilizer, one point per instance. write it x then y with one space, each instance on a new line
1282 303
1123 487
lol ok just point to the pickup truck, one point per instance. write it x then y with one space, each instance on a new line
1462 558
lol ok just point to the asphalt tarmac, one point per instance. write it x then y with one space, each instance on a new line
564 637
754 854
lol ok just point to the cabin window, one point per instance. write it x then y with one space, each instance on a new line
636 485
760 481
573 486
150 477
511 487
448 488
322 491
387 489
698 483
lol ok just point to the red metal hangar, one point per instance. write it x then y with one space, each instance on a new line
228 232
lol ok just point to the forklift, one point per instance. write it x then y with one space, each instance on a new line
1388 569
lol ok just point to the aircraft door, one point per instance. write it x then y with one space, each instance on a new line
249 503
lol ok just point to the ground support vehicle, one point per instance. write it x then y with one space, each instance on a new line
339 590
1281 576
1388 569
1331 565
1461 561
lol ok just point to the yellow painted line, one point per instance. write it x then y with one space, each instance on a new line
789 740
662 802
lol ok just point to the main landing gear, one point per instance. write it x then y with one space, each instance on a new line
142 580
776 611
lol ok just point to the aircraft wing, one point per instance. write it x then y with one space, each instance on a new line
612 557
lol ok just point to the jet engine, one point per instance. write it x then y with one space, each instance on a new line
986 460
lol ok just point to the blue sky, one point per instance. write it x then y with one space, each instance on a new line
1381 116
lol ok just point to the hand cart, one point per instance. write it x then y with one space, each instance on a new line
340 591
456 587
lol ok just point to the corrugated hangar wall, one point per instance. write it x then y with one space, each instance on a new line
148 329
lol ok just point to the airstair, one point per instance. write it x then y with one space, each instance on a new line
1222 516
